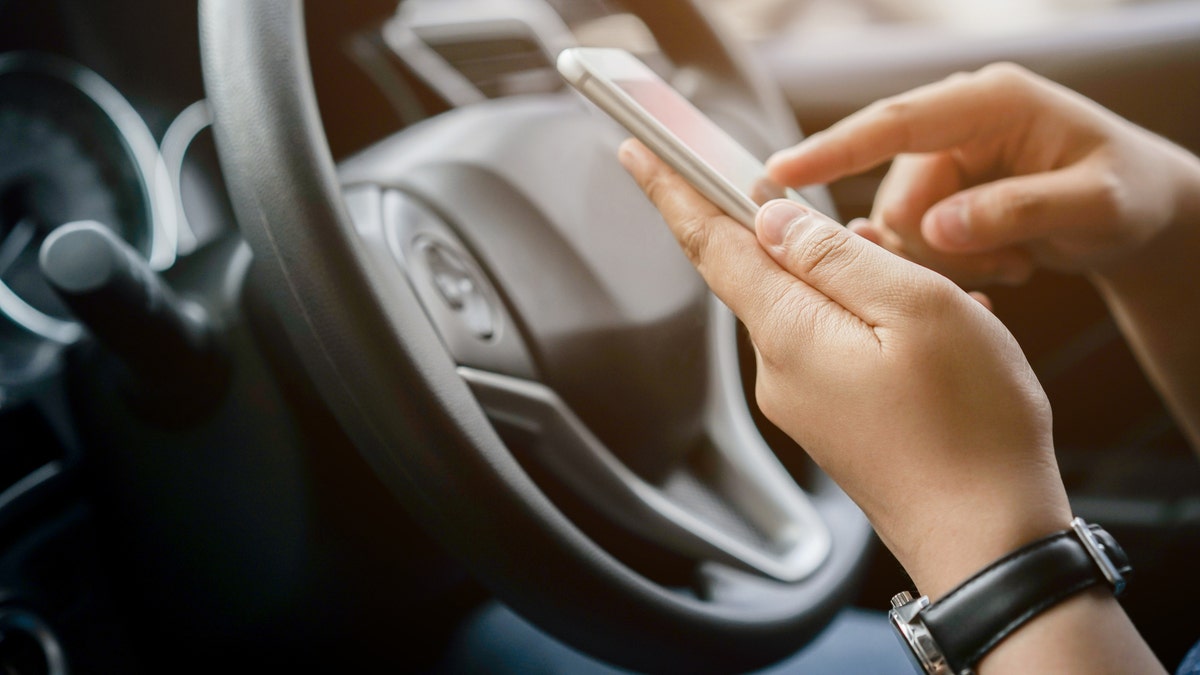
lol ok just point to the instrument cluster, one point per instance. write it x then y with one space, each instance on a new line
73 148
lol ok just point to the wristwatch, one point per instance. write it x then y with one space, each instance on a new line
950 636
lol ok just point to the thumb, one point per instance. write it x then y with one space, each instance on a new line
1014 211
862 277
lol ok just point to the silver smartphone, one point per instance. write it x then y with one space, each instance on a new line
674 129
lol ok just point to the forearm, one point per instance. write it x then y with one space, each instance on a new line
1155 298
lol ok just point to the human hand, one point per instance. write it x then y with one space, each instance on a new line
999 171
910 394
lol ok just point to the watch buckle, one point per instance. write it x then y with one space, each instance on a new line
1099 555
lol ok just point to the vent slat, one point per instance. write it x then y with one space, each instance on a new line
489 63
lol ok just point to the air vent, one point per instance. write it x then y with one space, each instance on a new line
498 66
473 50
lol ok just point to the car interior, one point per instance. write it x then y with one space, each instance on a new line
324 325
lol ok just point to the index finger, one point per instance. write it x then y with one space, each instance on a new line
939 116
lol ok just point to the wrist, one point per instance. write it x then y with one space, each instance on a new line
1187 191
1156 279
1062 583
957 539
1173 245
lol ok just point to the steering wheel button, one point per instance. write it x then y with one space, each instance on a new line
455 284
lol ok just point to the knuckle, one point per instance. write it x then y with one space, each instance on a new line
823 248
1014 208
935 298
897 113
897 215
958 77
772 347
896 108
764 396
658 187
694 237
1112 198
924 298
1024 206
770 394
941 292
1008 81
1005 74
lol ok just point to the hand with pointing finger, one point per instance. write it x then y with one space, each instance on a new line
999 171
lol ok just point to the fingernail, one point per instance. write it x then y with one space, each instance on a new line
952 222
786 155
858 224
777 218
789 154
629 154
778 157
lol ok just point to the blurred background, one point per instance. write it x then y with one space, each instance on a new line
759 19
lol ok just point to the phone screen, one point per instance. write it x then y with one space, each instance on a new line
705 138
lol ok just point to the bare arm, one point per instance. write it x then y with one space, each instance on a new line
1155 298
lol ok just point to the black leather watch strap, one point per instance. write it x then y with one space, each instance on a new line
985 609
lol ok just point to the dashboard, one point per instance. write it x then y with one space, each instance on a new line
104 125
76 148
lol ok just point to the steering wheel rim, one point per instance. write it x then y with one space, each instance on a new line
362 336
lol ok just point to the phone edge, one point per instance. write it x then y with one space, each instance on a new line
661 140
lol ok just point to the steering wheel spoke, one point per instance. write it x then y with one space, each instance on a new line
721 503
727 500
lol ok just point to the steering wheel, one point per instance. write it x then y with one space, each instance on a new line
486 297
